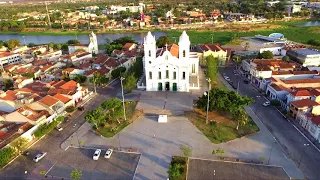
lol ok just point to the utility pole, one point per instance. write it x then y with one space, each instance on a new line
208 94
124 108
48 13
94 85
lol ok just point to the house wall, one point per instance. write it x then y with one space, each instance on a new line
315 110
314 130
222 55
275 50
25 82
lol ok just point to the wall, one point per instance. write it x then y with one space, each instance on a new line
275 50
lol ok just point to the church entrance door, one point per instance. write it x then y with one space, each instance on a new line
159 86
174 87
167 86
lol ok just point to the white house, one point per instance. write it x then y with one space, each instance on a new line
92 47
172 68
311 123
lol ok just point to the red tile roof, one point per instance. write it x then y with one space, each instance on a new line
304 103
68 70
316 120
303 92
48 100
112 63
62 98
101 59
70 85
32 114
212 47
278 87
127 46
10 95
298 81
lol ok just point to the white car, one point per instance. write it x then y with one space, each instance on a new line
108 153
58 128
266 104
38 157
96 154
227 78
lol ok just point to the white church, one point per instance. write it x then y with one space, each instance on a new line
92 47
171 68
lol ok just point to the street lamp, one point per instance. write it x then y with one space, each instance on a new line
124 109
208 94
304 145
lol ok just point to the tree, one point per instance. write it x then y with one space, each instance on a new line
73 41
111 47
130 81
265 55
6 155
246 46
212 67
57 47
116 73
51 45
31 45
70 109
80 78
163 41
76 174
8 84
241 117
286 58
12 43
19 144
95 117
237 59
174 171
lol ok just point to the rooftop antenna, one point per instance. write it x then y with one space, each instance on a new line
48 13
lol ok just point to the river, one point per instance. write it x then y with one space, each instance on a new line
309 23
84 39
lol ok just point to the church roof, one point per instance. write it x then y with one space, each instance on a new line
173 49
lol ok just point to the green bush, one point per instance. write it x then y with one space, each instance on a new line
46 128
177 168
116 73
6 155
70 109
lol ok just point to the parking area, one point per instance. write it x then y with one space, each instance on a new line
119 166
202 169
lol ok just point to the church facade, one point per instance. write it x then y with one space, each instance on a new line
171 68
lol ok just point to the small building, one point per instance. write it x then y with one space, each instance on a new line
304 105
205 50
7 58
92 47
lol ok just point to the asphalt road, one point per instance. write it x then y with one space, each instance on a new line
289 138
51 142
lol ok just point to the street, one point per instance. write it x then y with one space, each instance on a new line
290 139
23 166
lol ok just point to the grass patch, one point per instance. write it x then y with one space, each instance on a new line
178 168
221 128
110 129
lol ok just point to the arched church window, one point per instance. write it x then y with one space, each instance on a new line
184 53
149 53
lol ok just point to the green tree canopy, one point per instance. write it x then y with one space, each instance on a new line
116 73
12 43
76 174
266 55
130 81
212 67
163 41
286 58
124 40
79 78
73 41
31 45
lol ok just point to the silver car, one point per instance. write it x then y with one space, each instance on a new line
40 156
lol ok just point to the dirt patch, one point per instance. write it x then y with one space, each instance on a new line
215 116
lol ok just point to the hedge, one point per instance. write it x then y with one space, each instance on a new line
6 155
46 128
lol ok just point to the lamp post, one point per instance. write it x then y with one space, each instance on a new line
124 108
208 94
304 145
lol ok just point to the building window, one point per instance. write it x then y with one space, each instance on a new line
183 75
159 75
174 75
150 75
184 53
167 74
149 53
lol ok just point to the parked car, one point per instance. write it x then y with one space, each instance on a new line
40 156
96 154
246 81
266 104
108 153
227 78
58 128
81 108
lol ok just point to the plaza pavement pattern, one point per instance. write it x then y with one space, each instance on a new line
157 142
